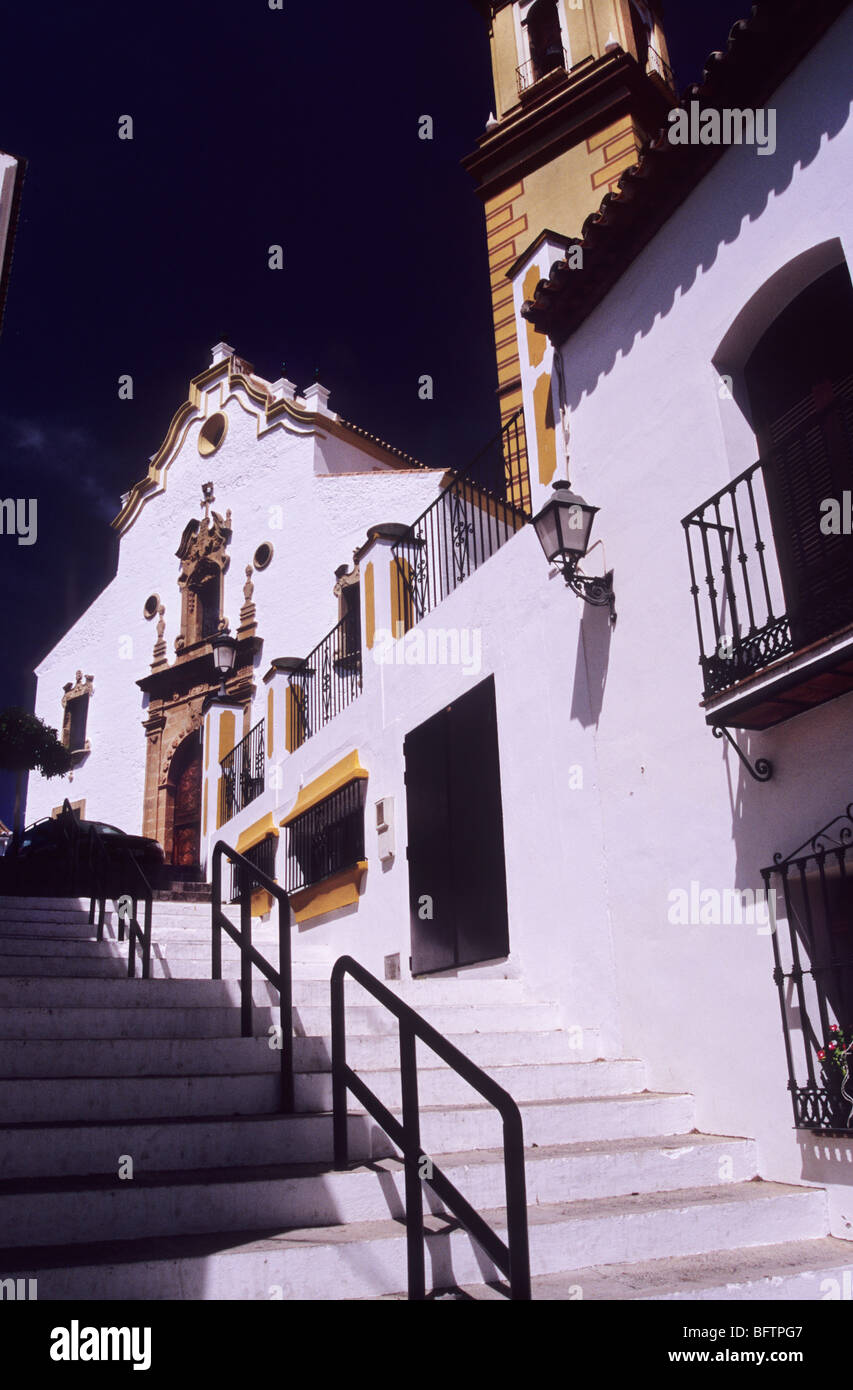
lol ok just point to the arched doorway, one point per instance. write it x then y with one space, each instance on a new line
799 380
185 781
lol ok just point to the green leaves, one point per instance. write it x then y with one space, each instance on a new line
27 744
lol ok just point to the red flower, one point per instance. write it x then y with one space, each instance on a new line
833 1027
821 1054
833 1046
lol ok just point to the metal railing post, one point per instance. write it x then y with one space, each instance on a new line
246 961
285 971
216 905
411 1160
339 1062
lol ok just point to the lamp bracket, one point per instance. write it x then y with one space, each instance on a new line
763 770
594 589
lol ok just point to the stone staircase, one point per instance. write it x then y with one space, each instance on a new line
229 1199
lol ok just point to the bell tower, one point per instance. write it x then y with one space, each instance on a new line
579 85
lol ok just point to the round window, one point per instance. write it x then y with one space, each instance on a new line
262 556
152 603
212 433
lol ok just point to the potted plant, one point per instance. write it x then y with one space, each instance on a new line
836 1060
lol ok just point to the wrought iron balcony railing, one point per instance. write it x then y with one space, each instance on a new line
810 912
462 529
556 59
741 619
768 577
242 774
475 515
327 681
655 63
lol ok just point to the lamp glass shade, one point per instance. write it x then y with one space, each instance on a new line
564 525
224 653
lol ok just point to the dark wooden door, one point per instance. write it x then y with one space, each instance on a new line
457 872
186 833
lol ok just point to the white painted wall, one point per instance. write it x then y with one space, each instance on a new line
651 438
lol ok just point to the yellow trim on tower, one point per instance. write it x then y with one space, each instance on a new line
226 733
206 742
336 891
402 610
349 769
253 834
369 606
269 722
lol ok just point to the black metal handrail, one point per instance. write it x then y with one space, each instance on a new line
336 660
106 878
281 979
512 1257
242 773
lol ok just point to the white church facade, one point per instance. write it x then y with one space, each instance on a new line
457 765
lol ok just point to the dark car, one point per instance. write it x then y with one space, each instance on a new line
63 845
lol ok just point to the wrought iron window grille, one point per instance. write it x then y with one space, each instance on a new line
262 857
327 838
812 938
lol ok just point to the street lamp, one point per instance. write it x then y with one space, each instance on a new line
564 526
224 656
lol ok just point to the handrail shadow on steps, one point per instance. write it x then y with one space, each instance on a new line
511 1257
248 882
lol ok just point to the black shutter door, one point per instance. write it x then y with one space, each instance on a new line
811 460
479 870
457 873
431 903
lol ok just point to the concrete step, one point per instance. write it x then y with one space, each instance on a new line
171 1046
182 1202
13 904
25 1100
201 1021
191 1201
96 967
793 1271
356 1260
161 1145
76 992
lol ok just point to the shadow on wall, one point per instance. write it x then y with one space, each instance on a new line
591 662
748 190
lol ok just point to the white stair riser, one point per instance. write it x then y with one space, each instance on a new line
206 1143
215 1021
133 1212
453 1131
118 1098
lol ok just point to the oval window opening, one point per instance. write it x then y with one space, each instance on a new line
212 433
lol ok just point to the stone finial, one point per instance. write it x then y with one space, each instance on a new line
248 587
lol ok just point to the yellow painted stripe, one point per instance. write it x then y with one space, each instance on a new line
339 890
349 769
253 834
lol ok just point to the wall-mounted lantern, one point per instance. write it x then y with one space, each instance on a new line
224 656
564 526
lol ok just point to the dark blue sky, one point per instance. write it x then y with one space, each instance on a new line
251 127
